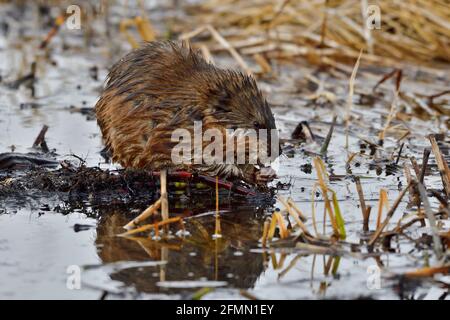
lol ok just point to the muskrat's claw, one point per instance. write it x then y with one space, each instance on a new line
265 175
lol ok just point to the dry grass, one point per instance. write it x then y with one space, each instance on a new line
334 30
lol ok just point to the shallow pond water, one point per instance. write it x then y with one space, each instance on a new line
44 242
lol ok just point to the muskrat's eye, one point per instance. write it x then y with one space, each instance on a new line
256 124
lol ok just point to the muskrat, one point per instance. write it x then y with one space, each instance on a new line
164 86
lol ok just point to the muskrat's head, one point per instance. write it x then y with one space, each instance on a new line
235 103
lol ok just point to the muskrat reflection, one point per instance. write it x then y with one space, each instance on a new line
195 257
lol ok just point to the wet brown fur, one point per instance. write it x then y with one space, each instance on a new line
163 86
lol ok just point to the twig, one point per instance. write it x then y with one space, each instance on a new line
247 295
412 190
362 202
299 212
426 156
293 213
366 219
216 35
442 165
393 109
265 233
431 220
207 54
217 232
57 24
284 233
164 200
428 271
289 267
388 216
399 153
40 139
437 95
321 172
323 28
350 98
144 215
154 226
325 144
382 202
415 167
395 72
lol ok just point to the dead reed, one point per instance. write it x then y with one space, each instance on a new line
334 30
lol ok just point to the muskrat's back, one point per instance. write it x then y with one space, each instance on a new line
162 87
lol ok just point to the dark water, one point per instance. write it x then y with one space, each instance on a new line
40 246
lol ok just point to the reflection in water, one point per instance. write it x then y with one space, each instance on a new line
235 260
196 257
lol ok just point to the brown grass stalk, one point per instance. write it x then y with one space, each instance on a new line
389 215
441 164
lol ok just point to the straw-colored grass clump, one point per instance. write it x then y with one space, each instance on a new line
414 30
